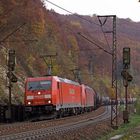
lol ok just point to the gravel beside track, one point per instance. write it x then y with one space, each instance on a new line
46 129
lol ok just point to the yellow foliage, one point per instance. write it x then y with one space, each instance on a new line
111 93
38 28
38 23
30 60
73 52
76 23
56 69
73 42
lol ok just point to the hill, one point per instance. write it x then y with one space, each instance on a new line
33 31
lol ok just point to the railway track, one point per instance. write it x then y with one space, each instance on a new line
43 132
25 126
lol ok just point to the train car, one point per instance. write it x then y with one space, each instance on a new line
70 97
46 95
98 100
88 96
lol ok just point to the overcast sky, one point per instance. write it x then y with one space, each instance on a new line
121 8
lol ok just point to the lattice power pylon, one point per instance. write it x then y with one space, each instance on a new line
114 100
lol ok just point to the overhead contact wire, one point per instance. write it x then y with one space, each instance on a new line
72 13
94 43
91 22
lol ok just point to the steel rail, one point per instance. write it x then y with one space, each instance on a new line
45 132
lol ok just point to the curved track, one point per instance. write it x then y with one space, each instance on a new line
40 133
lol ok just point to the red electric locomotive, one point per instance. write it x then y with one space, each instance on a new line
88 96
55 95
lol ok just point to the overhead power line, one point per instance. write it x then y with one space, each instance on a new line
12 32
72 13
91 22
94 44
98 46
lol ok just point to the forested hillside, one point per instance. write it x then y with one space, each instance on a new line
32 30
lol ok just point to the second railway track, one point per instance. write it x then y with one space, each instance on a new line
40 133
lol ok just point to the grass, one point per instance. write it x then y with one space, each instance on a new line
126 129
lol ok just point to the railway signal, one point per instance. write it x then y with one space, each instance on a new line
11 60
11 65
126 56
126 78
12 77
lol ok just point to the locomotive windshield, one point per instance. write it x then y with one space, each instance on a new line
37 85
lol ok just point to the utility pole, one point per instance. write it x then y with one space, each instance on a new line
114 101
49 63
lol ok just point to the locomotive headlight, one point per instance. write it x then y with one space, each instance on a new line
39 93
29 103
49 101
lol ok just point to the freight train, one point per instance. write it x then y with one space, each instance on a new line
51 97
56 96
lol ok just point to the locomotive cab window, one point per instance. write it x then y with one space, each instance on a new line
38 85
